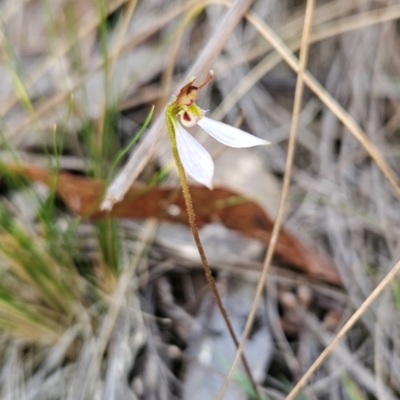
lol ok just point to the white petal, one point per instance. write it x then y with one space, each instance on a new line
229 135
195 158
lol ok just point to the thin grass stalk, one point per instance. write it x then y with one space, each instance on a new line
349 324
115 305
327 99
325 31
86 26
117 46
169 69
285 189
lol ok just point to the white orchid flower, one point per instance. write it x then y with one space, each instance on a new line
196 160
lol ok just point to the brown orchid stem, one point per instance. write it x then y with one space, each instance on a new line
207 270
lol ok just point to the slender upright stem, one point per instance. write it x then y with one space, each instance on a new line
193 226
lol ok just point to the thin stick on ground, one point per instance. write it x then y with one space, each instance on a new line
325 31
285 189
327 99
117 299
350 323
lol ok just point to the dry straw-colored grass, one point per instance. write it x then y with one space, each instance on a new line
319 80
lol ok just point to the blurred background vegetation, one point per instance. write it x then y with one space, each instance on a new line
115 306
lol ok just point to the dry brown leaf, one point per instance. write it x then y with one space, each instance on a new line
83 195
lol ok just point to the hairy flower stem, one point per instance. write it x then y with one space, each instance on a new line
193 226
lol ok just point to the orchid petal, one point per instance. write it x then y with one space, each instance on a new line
195 158
229 135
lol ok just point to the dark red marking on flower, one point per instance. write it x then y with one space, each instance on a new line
186 116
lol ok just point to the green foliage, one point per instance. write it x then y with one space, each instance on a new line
245 383
37 288
352 389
